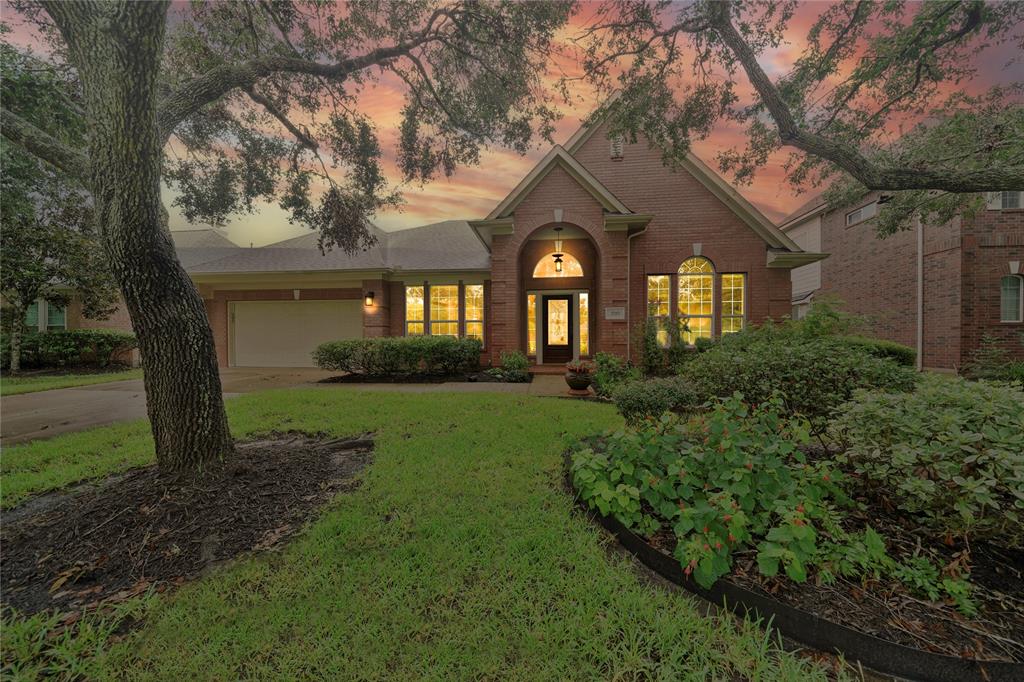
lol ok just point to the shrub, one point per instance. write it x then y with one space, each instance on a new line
813 375
70 348
646 398
514 368
611 371
951 454
992 361
881 348
400 356
735 479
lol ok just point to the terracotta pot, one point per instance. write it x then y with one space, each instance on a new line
579 383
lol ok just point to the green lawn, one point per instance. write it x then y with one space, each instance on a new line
459 558
30 384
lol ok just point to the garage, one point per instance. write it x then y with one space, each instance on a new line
285 333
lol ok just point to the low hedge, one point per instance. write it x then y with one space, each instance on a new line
70 348
400 356
639 400
881 348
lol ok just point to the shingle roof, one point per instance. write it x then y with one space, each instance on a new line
811 205
449 245
203 238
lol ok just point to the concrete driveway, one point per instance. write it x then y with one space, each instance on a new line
45 414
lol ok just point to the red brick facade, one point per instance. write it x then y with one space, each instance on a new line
963 262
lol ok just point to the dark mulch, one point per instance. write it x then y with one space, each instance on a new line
472 377
106 542
886 609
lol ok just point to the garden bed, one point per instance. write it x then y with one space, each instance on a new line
108 541
878 622
471 377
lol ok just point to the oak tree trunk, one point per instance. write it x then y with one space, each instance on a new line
117 48
17 324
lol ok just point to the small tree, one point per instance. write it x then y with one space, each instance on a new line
49 245
867 68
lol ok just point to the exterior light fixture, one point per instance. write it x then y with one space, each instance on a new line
368 299
558 249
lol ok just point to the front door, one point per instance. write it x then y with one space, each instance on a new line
557 328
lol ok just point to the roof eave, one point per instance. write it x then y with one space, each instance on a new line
786 260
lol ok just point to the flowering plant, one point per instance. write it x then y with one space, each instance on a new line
580 366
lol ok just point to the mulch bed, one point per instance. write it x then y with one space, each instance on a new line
887 609
107 542
474 377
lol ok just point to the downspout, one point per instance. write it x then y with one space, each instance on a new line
629 288
920 292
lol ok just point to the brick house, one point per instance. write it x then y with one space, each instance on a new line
939 288
597 237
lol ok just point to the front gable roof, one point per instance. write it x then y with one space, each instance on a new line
558 158
721 189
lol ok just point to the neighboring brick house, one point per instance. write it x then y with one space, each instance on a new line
939 289
634 239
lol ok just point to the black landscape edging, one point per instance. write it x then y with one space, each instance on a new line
811 630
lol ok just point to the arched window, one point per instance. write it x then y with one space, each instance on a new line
695 302
1011 299
546 266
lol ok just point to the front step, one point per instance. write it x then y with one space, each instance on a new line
547 369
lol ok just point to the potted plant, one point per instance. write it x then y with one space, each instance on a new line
579 375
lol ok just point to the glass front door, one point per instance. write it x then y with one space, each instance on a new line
557 330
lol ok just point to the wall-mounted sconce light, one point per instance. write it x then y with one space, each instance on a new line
368 299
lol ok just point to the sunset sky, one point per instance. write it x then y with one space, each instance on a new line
473 191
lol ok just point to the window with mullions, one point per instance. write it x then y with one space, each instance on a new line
659 304
695 301
473 304
733 302
414 311
444 310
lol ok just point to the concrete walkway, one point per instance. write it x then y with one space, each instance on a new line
32 416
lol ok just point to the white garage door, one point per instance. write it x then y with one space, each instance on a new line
285 333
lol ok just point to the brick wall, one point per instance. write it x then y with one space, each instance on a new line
991 239
685 213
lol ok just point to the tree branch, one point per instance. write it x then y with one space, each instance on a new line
214 84
302 136
44 146
846 156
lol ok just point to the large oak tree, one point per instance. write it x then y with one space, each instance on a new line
878 97
243 102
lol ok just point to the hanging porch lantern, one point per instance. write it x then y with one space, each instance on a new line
558 249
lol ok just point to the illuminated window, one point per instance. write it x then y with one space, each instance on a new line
584 324
546 266
733 302
531 324
696 298
414 311
659 299
1011 299
474 307
444 310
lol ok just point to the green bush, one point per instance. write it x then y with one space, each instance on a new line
70 348
611 371
400 356
812 374
951 454
514 368
643 399
735 479
881 348
991 361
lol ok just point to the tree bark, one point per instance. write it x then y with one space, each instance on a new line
117 48
17 323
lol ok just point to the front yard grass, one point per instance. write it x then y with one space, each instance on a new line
460 557
44 382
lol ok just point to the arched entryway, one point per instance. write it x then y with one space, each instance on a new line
558 294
